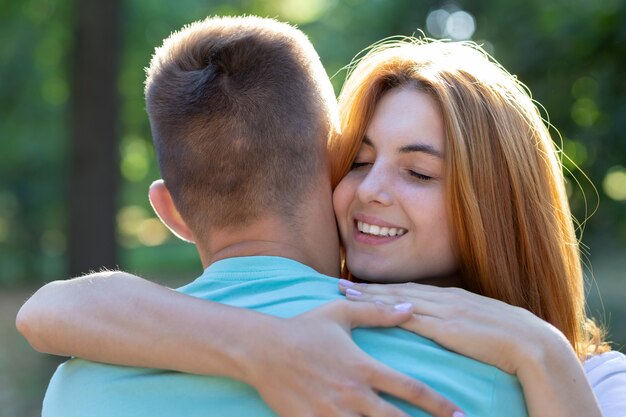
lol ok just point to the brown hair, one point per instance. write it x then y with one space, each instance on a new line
241 111
504 185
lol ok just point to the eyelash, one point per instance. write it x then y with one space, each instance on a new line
419 176
356 165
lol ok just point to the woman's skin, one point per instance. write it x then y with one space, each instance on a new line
396 186
508 337
396 183
390 207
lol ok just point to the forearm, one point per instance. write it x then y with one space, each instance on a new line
554 381
122 319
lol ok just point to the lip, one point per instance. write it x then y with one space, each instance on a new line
371 239
374 220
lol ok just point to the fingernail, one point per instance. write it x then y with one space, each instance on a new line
353 293
458 414
346 283
404 307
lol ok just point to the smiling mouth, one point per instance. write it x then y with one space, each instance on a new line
375 230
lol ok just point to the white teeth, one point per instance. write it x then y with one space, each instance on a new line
372 229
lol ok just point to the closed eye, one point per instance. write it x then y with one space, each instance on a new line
357 165
419 176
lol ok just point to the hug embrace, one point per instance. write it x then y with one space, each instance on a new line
430 197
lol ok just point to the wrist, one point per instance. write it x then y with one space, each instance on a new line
255 348
549 352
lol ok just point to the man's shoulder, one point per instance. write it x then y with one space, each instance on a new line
478 388
79 388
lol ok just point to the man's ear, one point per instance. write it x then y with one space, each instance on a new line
164 207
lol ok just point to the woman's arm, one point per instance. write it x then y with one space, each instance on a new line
118 318
114 317
510 338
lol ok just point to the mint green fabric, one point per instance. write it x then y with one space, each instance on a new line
284 288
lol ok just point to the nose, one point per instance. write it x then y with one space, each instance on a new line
375 187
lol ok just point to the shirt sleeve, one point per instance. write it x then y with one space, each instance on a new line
607 375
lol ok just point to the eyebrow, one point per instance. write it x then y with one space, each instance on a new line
416 147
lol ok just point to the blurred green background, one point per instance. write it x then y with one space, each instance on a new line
76 157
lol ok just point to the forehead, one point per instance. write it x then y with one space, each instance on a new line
406 116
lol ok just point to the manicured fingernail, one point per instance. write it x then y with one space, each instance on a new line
403 308
346 283
458 414
353 293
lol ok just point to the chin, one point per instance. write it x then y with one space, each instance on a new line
376 273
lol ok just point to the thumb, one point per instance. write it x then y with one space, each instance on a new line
377 314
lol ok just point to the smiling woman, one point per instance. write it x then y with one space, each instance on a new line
396 183
438 140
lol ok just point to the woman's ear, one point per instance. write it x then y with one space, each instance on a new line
164 207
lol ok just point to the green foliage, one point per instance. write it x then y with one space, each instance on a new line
568 53
33 109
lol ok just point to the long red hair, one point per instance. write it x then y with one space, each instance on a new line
505 188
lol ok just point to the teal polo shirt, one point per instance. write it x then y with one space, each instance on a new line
284 288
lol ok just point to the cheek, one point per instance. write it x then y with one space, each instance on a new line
443 230
427 210
342 198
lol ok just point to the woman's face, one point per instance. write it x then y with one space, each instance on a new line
390 207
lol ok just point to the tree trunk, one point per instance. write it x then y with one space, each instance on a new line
94 136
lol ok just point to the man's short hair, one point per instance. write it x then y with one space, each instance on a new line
241 110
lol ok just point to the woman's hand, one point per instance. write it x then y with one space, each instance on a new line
313 368
473 325
510 338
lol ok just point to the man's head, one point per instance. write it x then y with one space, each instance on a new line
241 110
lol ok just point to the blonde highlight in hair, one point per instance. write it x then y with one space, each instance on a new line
505 189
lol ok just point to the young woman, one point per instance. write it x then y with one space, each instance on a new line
446 176
467 192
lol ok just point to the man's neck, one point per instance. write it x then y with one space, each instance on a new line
313 241
273 248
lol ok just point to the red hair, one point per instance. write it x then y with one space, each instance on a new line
505 188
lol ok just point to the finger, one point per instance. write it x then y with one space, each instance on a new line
376 314
405 289
426 326
356 295
414 392
420 306
374 406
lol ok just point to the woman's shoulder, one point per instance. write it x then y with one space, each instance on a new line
606 373
605 362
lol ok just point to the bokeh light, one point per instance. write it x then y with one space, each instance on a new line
137 226
575 152
303 11
451 22
151 232
614 183
585 87
585 112
134 164
128 220
460 25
